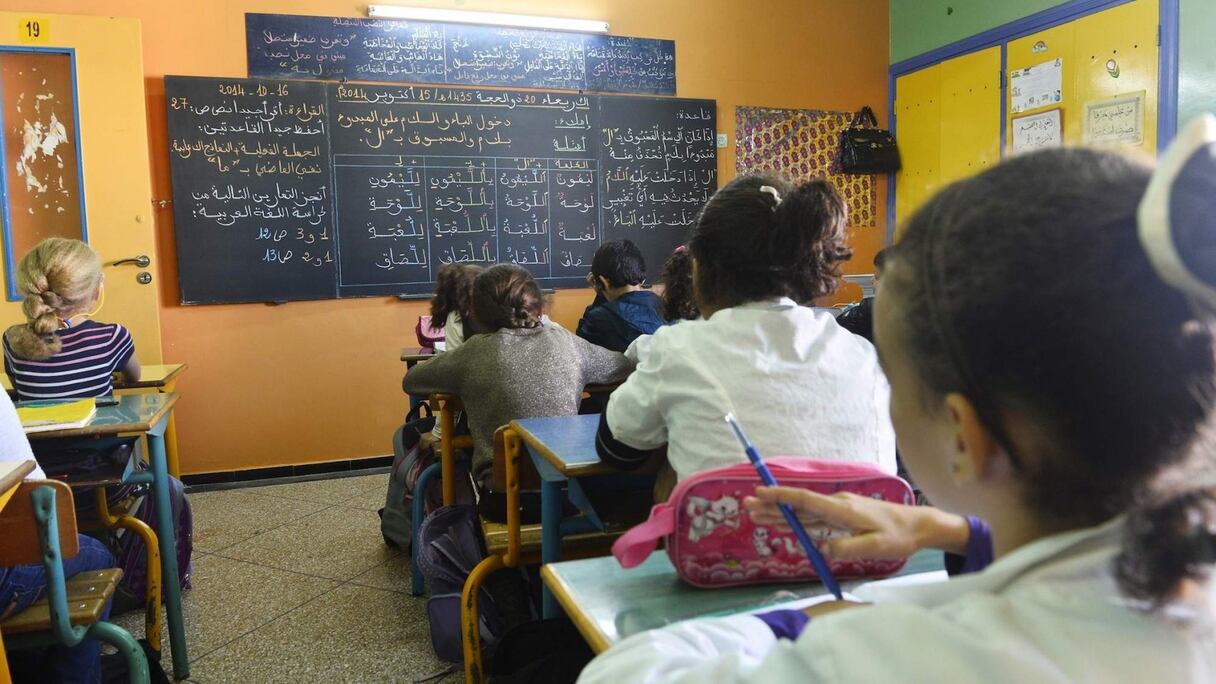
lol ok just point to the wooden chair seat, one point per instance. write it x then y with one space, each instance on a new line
530 538
87 592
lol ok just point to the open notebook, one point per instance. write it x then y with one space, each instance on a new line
44 416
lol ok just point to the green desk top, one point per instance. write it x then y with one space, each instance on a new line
567 442
609 603
133 413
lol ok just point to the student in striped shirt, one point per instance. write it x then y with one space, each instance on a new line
58 352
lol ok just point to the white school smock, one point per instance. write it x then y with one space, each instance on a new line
14 445
1049 612
799 384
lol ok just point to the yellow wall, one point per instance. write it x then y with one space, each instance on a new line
317 381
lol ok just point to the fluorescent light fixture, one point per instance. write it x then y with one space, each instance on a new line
492 18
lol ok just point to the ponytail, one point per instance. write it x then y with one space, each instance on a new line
1168 545
59 277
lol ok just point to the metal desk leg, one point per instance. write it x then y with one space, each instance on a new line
168 549
175 467
551 536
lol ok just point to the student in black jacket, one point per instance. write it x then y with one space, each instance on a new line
858 318
622 310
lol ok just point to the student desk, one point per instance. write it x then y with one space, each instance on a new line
563 449
608 603
161 377
412 356
11 475
147 414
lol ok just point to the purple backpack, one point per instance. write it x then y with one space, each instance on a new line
449 548
131 554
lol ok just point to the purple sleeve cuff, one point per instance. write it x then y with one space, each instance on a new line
786 624
979 550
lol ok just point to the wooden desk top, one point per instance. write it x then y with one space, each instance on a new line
12 473
155 375
134 413
567 442
608 603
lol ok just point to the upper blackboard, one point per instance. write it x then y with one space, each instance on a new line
413 177
348 49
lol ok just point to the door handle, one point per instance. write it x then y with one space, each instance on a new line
141 261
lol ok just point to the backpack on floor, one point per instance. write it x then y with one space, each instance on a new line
410 458
131 554
449 548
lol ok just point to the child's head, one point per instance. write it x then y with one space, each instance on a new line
679 303
60 278
506 296
617 264
760 238
1042 374
454 292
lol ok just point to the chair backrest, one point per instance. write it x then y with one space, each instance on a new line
529 479
19 529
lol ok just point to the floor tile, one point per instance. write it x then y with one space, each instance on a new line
352 634
224 518
229 599
330 491
371 497
337 542
391 575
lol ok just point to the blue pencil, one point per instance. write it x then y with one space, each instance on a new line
821 566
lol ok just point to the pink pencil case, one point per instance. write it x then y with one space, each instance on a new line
712 541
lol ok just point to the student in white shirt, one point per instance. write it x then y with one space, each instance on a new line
801 385
1045 378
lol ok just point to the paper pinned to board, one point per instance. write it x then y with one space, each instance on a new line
1041 85
1037 131
1118 121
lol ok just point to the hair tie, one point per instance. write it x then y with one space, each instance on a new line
680 250
772 191
1175 216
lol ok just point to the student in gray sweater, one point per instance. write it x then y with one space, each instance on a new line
518 368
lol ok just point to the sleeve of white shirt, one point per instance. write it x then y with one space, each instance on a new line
14 445
635 410
722 651
453 332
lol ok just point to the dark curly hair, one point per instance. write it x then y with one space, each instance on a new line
751 246
506 296
454 292
1026 289
679 303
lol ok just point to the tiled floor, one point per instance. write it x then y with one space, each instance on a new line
293 583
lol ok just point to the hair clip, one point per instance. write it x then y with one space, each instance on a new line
681 249
772 191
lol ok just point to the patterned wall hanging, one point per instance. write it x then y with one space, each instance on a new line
802 144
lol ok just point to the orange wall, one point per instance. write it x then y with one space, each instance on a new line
318 381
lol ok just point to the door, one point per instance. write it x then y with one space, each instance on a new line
113 150
970 114
918 128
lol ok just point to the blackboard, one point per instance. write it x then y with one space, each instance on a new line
341 48
413 177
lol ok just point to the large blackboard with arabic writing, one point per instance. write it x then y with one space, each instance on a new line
288 190
351 49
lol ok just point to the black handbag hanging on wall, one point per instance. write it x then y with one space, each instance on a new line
865 148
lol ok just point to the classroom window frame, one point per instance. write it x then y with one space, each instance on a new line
1167 67
12 294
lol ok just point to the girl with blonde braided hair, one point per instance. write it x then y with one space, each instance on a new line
58 352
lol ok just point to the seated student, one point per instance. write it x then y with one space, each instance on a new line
622 309
517 367
452 301
679 302
858 318
22 585
54 355
799 384
1073 416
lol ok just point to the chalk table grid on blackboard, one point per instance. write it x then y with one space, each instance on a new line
290 190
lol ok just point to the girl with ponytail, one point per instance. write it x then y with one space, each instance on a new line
58 352
762 251
1048 330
